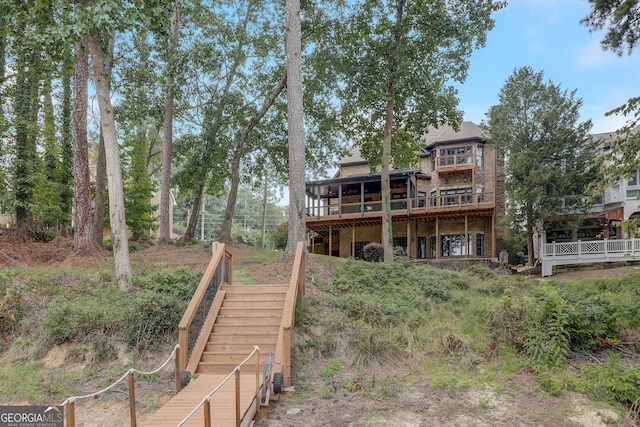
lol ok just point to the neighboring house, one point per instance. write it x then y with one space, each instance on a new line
599 238
448 206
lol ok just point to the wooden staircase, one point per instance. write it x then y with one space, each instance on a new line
248 316
242 323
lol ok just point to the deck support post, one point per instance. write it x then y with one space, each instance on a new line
132 398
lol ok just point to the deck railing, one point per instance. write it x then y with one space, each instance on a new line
588 252
205 403
415 205
219 271
294 294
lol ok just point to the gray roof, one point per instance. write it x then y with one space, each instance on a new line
444 134
433 136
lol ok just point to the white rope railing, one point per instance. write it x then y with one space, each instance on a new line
207 398
99 392
69 403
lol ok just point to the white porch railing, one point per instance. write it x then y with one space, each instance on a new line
588 252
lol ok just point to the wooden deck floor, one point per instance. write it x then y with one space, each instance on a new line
222 402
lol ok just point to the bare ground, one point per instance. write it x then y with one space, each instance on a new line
519 403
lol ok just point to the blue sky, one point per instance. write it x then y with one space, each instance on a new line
547 35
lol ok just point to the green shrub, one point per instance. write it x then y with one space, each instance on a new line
613 380
150 316
78 319
548 341
481 272
180 282
280 235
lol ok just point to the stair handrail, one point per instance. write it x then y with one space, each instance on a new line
222 259
294 294
235 373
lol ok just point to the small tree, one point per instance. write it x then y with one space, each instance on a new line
279 236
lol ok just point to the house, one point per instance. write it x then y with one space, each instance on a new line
449 206
599 237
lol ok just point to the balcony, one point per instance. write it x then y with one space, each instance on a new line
454 203
455 163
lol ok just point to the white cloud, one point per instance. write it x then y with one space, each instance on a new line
592 56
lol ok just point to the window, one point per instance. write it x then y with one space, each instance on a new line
633 179
359 246
459 155
479 244
633 194
454 245
433 199
479 149
400 242
456 196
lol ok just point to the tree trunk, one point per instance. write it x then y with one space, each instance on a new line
387 223
295 113
82 237
530 252
239 144
164 236
26 111
100 197
195 213
114 171
385 184
66 132
225 233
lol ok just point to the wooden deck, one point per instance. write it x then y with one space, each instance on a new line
588 252
223 411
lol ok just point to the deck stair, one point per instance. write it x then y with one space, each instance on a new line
244 333
248 316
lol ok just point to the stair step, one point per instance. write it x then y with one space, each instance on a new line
245 312
230 347
246 330
254 297
256 289
231 358
254 304
248 321
256 339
